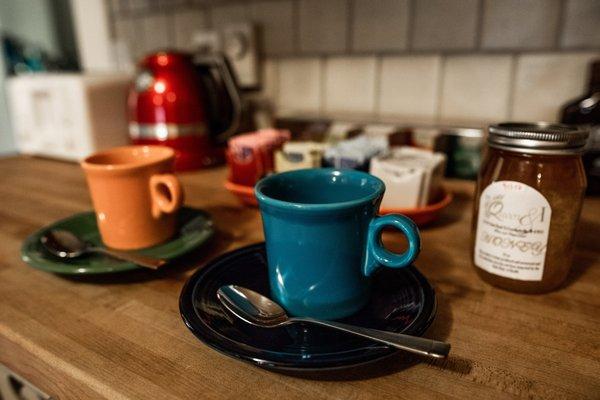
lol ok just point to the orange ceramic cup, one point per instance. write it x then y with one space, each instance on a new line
135 195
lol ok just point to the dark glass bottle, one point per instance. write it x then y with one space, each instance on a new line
585 111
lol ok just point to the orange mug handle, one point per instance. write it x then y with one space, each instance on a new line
166 193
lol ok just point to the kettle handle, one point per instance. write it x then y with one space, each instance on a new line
219 61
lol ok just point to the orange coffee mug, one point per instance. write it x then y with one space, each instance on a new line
135 195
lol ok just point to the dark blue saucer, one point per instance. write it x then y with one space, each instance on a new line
402 301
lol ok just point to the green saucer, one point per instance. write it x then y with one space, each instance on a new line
194 228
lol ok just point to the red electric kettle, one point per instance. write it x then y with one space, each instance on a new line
190 103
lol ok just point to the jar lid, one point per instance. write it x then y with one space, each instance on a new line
537 137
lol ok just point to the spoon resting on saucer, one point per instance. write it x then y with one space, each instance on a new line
65 244
258 310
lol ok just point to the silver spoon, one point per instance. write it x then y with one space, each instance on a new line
65 244
259 310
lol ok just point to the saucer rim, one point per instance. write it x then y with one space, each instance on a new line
57 266
198 327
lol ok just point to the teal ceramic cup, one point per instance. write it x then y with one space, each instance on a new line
323 239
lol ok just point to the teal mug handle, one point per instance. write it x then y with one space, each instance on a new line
377 256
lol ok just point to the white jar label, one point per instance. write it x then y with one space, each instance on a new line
512 231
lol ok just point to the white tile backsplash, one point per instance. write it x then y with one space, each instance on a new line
380 25
350 84
128 31
138 5
413 60
409 87
186 23
270 79
431 88
116 6
476 88
520 24
323 26
445 24
276 23
338 27
582 24
228 13
544 82
299 88
157 31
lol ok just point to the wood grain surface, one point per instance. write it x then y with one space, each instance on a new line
123 338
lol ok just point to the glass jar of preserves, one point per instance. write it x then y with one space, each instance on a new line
528 200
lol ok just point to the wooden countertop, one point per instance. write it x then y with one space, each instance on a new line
124 339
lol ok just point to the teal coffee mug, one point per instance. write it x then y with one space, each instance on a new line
323 239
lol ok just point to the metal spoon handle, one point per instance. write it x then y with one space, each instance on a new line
144 261
413 344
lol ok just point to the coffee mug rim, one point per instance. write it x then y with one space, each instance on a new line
168 153
288 205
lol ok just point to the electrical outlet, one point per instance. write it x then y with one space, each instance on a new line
206 41
238 43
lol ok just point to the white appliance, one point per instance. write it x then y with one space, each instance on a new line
68 116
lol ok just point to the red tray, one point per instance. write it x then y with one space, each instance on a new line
423 215
244 193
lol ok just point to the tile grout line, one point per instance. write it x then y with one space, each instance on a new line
512 86
560 27
277 83
322 81
209 17
171 34
377 84
141 34
410 23
479 27
447 53
349 26
112 20
440 90
295 27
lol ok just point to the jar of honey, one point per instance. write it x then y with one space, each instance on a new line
528 200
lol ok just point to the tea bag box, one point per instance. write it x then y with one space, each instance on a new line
412 176
355 153
299 155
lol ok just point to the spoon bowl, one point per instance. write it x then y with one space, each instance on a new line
252 307
64 244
